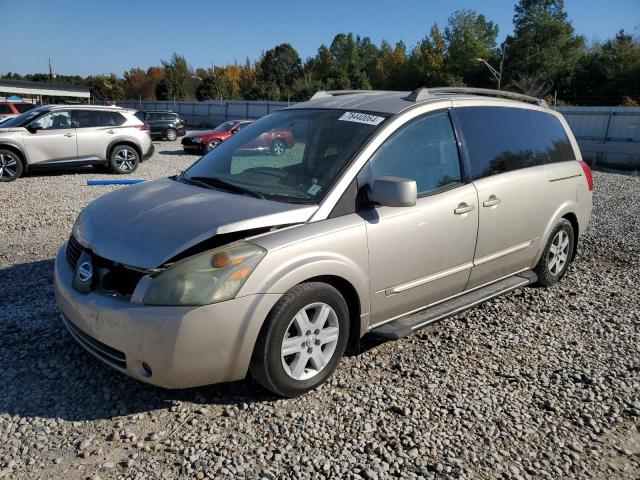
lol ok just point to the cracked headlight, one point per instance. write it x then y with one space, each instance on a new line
210 277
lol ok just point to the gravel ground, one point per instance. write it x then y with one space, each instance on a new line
540 383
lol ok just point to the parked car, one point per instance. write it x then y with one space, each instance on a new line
64 135
13 109
164 125
203 142
396 211
275 142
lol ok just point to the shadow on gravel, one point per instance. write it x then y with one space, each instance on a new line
45 373
58 171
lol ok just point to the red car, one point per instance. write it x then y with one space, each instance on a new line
13 109
275 141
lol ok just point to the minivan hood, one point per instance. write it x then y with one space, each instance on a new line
147 224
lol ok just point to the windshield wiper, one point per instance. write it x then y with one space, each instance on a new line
213 182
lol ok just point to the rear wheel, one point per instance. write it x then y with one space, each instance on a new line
10 165
278 147
211 145
171 134
557 254
302 341
124 159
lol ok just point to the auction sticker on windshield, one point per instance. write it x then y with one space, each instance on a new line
361 118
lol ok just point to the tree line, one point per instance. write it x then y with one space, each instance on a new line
543 57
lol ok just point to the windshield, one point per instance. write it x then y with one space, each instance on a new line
22 119
290 155
224 126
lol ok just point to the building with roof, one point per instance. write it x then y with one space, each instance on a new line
43 92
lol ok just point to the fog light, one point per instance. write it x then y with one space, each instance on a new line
145 371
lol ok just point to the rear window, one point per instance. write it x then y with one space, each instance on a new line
97 118
502 139
4 108
24 107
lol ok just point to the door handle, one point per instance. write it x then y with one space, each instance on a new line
68 134
463 208
492 201
111 132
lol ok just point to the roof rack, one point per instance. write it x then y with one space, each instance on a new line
423 93
337 93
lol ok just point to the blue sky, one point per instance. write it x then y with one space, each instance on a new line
92 37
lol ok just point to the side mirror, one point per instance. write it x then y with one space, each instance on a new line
393 192
34 127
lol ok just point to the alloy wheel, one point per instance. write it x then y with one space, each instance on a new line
278 147
171 135
8 166
558 253
310 341
125 160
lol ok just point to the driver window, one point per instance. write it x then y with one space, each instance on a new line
55 121
424 150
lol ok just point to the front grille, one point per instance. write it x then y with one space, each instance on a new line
74 250
110 355
111 276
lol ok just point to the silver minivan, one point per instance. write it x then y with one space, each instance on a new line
391 211
73 135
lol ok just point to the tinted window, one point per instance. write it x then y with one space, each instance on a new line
501 139
425 150
97 118
4 108
24 107
140 116
168 116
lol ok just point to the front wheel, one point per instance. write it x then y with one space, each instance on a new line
557 254
124 159
10 166
302 341
171 134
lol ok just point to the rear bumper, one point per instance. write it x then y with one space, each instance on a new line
149 152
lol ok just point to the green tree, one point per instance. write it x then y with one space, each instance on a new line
470 36
609 72
279 68
543 44
177 83
427 63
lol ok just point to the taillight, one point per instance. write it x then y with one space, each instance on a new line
587 173
144 127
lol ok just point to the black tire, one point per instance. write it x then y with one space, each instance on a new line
267 363
11 167
278 147
211 145
124 159
171 134
551 267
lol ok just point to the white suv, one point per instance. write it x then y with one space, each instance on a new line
63 135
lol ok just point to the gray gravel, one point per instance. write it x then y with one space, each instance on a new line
536 384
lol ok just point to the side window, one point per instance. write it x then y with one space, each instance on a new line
55 120
116 119
424 150
240 126
4 108
140 116
502 139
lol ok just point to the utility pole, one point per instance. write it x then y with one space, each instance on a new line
504 47
50 72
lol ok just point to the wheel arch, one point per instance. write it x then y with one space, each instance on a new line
568 211
123 141
18 151
573 220
351 297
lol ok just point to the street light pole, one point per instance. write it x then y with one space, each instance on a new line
497 74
